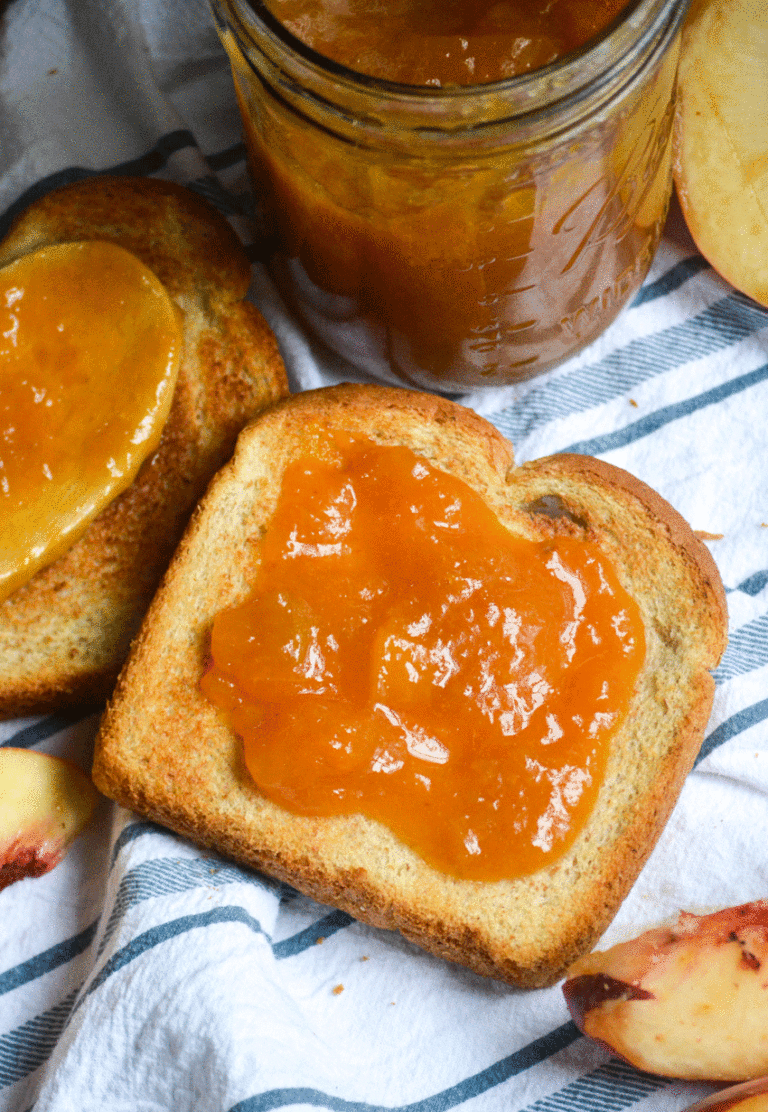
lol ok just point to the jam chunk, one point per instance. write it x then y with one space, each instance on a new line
403 655
434 42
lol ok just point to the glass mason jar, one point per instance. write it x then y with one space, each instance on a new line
465 236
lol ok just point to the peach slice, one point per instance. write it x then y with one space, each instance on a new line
721 138
689 1001
752 1096
44 804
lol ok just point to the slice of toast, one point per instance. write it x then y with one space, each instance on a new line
65 634
164 751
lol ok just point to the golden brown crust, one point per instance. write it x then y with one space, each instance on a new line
687 543
524 931
65 634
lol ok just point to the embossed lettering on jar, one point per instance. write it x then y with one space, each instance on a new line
450 234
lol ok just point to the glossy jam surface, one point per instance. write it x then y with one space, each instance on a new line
445 42
404 656
89 354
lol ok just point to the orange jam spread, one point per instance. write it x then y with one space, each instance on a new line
89 353
445 42
403 655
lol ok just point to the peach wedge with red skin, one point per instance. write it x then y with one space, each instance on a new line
751 1096
721 138
689 1001
45 802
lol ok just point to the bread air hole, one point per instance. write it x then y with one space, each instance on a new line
555 508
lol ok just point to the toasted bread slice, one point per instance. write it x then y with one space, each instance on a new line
65 634
524 931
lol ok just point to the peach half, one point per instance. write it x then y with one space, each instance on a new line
45 802
721 138
752 1096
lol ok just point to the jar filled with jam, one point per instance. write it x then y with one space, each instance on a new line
460 193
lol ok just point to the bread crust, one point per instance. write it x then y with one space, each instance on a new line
524 931
65 634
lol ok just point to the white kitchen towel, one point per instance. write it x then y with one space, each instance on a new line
145 975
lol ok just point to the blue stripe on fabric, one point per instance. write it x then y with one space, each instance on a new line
45 728
156 158
209 189
754 584
49 959
167 876
163 932
609 1088
652 422
306 939
474 1086
717 327
161 877
149 163
747 650
130 833
28 1047
671 280
223 160
736 724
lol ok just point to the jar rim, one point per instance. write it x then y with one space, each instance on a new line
629 36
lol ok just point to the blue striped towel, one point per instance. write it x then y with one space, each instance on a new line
143 974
